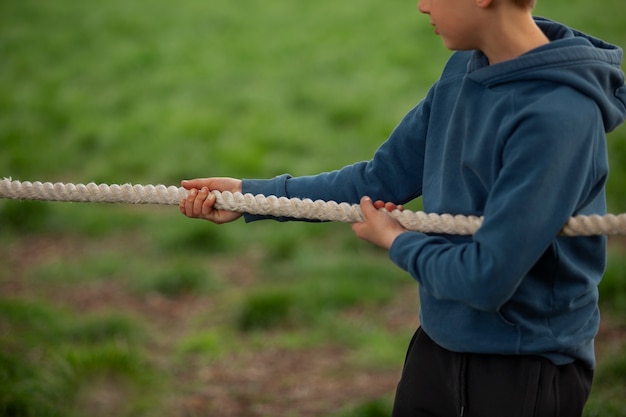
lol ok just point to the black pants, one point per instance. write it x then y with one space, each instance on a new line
439 383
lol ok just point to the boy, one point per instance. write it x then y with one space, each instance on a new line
514 130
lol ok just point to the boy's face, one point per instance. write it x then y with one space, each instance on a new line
456 21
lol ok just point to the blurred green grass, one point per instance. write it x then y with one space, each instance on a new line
154 92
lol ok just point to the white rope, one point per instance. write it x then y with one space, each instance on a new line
281 207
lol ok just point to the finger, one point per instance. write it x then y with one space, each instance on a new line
390 206
191 198
197 183
367 206
207 206
186 184
199 201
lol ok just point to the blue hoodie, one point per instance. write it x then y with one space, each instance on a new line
522 143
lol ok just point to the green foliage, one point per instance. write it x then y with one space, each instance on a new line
178 234
209 344
24 216
46 354
612 371
102 266
607 395
613 286
172 279
376 408
104 329
266 309
308 288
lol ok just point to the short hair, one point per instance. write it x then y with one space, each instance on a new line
525 3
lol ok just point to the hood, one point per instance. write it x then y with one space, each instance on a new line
572 58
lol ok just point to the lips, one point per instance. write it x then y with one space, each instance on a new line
435 26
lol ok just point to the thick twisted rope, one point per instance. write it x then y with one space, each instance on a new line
281 207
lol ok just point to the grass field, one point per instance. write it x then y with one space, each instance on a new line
110 310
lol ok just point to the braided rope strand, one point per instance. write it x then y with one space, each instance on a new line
281 206
91 193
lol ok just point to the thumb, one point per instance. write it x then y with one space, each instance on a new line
367 206
187 184
197 183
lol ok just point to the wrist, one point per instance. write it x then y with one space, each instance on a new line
392 236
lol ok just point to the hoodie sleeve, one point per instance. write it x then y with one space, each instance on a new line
553 166
400 157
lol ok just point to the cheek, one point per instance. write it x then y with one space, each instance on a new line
455 35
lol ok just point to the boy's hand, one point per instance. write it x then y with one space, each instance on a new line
200 201
378 227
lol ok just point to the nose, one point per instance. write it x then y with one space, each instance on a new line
423 6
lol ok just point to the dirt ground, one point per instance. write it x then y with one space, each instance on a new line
309 382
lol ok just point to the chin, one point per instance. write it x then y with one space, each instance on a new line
456 46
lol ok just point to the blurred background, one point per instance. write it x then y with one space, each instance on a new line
119 310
